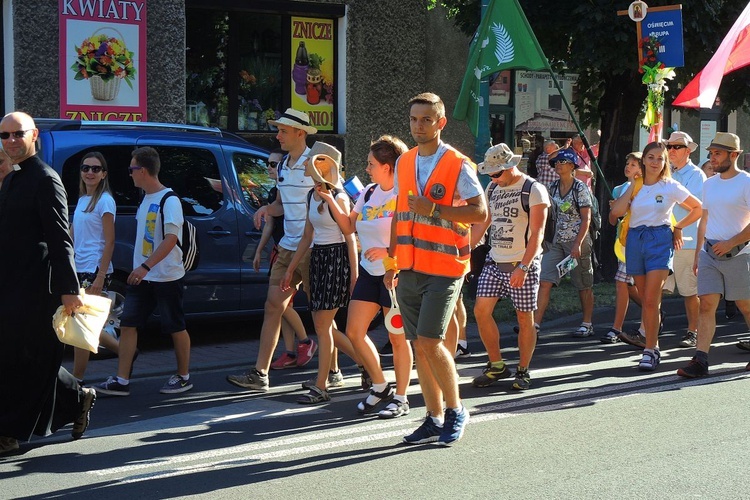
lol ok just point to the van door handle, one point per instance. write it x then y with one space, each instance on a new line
218 232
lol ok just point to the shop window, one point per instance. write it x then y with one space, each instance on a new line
233 69
246 65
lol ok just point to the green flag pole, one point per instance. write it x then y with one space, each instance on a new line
482 141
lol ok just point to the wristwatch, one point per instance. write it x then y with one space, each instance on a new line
523 267
436 212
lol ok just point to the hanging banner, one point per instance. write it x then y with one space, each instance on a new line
102 58
665 25
312 70
539 106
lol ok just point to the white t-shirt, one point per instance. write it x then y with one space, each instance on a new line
148 236
653 204
293 187
728 205
374 225
326 229
88 232
510 220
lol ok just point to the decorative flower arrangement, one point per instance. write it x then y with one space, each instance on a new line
270 114
655 74
106 57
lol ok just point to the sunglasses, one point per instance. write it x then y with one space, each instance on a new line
561 162
676 146
134 168
93 168
497 175
17 134
273 164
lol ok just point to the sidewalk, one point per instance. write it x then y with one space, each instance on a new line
243 353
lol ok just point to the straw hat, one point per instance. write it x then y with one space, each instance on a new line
726 141
325 171
682 139
296 119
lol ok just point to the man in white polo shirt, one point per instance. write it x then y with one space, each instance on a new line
294 127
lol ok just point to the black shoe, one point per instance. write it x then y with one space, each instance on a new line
88 398
730 309
694 369
743 344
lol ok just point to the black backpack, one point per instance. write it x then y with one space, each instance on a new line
189 246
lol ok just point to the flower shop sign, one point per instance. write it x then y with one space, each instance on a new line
103 60
313 67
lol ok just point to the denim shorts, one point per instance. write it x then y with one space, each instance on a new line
649 249
371 288
148 296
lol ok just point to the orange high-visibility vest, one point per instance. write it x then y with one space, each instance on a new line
426 244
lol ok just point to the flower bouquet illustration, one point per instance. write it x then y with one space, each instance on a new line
105 62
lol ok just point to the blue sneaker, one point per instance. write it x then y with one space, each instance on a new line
453 428
175 385
428 432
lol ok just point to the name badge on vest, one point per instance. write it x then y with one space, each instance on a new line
437 192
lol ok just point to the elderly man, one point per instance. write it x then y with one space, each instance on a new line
684 171
545 172
722 254
38 274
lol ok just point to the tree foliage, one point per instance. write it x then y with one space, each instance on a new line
587 37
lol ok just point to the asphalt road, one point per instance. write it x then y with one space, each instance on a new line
592 426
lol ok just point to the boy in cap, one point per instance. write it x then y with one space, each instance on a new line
512 266
679 146
722 256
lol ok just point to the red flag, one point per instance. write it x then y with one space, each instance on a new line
733 54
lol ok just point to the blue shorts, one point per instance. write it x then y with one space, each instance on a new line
649 249
148 296
371 288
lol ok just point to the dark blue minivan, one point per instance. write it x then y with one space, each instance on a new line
221 180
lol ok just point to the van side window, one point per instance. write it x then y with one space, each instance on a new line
193 174
252 174
127 196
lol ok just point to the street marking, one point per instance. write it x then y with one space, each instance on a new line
225 458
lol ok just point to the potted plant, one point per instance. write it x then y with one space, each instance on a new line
105 62
314 87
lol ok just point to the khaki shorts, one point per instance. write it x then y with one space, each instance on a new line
301 274
683 277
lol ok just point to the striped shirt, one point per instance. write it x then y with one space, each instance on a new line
293 188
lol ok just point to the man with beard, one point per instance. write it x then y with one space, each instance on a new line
722 255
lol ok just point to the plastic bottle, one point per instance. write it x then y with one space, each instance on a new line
299 73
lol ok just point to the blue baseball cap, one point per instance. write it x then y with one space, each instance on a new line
565 155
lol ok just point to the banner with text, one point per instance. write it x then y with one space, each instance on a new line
102 56
539 106
312 70
666 26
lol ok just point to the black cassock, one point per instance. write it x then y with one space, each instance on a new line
37 396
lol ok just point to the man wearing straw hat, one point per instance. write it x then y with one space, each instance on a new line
294 127
722 255
680 145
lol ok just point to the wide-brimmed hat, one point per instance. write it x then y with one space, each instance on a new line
726 141
498 157
332 177
566 154
297 119
682 139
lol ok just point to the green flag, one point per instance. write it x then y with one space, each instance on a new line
504 40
